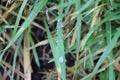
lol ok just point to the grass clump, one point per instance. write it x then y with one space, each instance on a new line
87 31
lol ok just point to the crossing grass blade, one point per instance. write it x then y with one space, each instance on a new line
3 19
38 6
78 34
15 54
58 51
108 39
20 39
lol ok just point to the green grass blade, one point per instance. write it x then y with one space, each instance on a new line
34 51
64 5
78 32
84 7
56 50
108 37
60 44
19 16
117 17
15 54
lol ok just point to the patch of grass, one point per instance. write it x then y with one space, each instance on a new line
86 29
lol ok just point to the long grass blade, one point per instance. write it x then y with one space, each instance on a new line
58 56
108 37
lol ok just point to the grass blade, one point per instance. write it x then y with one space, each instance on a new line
34 51
19 16
108 36
58 56
78 32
